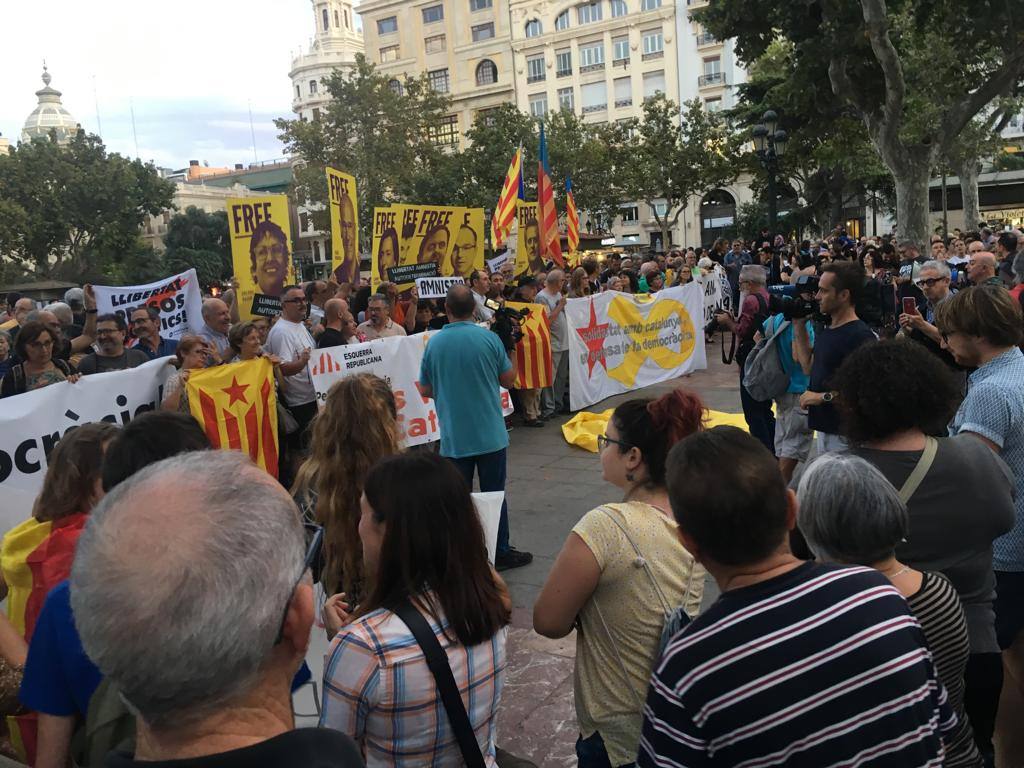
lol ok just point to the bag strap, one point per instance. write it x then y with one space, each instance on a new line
931 447
437 661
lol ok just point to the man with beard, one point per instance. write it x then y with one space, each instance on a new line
464 252
268 250
348 270
434 247
112 355
531 242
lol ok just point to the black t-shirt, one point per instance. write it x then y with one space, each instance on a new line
306 747
94 363
329 338
831 346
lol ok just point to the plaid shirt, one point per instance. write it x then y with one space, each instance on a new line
379 690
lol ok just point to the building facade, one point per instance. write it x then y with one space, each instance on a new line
206 198
49 115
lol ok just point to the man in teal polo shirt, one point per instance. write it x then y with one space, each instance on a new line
462 368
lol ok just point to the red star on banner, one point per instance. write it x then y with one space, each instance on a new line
593 336
236 391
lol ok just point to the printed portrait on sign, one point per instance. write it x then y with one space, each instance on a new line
271 260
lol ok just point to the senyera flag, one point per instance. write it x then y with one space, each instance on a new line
505 211
533 353
547 214
237 406
572 218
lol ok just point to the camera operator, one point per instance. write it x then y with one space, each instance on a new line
462 367
753 312
838 288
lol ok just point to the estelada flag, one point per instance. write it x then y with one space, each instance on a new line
236 405
533 353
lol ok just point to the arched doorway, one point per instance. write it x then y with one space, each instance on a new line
717 216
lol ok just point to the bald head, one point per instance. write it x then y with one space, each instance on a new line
981 267
459 303
334 309
217 315
555 277
21 309
180 581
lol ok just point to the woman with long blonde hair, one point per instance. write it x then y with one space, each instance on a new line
357 427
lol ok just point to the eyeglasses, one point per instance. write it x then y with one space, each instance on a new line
315 539
928 282
603 441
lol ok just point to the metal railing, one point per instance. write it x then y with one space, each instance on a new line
592 68
706 38
711 78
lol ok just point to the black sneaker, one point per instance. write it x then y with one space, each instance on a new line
533 423
513 558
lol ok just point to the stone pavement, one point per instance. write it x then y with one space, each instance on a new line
551 485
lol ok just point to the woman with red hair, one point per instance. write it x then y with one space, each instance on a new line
617 580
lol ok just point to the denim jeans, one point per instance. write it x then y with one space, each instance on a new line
491 468
552 399
591 753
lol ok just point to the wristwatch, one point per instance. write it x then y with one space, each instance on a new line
828 397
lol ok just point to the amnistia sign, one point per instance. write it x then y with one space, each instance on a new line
619 342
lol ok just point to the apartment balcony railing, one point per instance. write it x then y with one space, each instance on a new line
711 78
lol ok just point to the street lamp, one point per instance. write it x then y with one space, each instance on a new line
769 146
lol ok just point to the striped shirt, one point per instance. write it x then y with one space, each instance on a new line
936 606
379 690
821 666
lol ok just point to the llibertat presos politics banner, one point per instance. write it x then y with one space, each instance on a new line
396 360
33 423
179 299
619 342
261 253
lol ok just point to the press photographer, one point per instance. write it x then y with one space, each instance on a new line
753 312
838 290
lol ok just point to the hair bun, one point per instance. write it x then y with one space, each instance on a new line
678 413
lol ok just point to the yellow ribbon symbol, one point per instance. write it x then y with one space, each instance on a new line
642 337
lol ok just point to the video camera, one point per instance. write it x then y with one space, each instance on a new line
507 323
799 306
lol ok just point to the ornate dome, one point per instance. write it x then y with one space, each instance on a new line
49 115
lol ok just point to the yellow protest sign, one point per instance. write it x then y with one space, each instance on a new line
528 258
344 205
385 254
261 252
467 252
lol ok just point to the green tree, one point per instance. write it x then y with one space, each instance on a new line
76 208
672 158
896 65
491 142
381 131
199 239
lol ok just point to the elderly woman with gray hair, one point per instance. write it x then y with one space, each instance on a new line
849 513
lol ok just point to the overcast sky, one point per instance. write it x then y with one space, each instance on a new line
190 68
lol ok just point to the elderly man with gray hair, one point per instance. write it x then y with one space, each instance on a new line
934 279
191 592
754 311
851 514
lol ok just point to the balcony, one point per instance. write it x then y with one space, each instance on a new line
706 38
619 103
535 78
711 78
621 63
563 73
599 67
653 56
594 108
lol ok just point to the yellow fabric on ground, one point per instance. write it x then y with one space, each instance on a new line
583 428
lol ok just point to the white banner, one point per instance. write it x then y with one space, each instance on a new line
716 298
33 423
495 264
436 287
179 299
396 360
619 342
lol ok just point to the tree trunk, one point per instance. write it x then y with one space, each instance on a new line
969 171
912 217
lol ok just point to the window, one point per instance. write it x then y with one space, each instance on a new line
387 26
649 5
389 53
539 104
594 97
619 8
486 72
438 79
348 25
623 92
660 207
434 44
563 63
396 87
326 20
713 105
592 55
620 46
316 250
483 31
588 14
654 82
630 213
433 14
298 92
534 69
337 19
446 132
533 28
653 42
565 99
479 5
316 115
562 20
312 87
712 66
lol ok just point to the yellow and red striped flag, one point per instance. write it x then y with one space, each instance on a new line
572 218
505 210
237 407
547 213
533 353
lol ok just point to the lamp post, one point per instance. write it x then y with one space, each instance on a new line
769 146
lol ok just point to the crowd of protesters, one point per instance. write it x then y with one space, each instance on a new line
866 536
